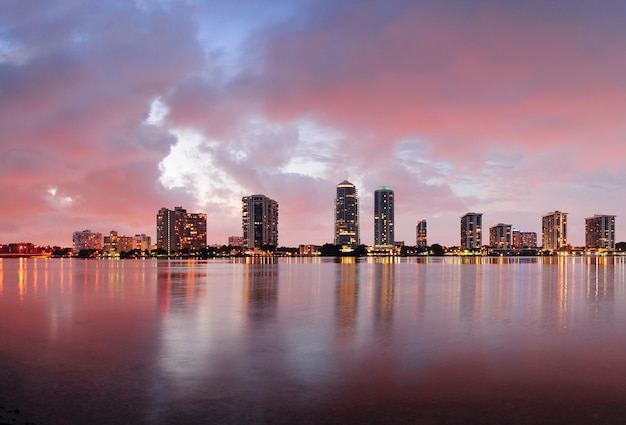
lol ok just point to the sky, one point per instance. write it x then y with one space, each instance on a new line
112 110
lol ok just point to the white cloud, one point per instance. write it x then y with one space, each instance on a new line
57 199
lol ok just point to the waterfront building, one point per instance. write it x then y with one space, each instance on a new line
501 237
471 231
114 243
383 217
524 240
86 239
259 221
235 241
554 230
347 215
421 240
600 231
142 242
309 250
177 230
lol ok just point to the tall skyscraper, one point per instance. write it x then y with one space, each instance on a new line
178 229
501 236
421 240
600 231
347 215
259 221
554 230
383 217
471 231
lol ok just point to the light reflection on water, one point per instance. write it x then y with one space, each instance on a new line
278 341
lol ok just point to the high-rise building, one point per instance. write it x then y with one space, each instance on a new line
554 230
420 234
178 229
600 231
259 221
524 240
383 217
501 237
193 234
347 215
471 231
86 239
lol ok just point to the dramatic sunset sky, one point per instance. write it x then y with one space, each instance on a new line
110 110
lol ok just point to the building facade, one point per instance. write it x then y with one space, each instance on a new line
115 244
524 240
177 230
86 239
600 232
421 240
142 242
471 231
235 241
554 230
259 221
383 217
347 215
501 237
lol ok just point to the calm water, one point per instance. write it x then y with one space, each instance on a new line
525 340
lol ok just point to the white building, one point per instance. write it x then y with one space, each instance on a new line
554 230
600 231
259 221
471 231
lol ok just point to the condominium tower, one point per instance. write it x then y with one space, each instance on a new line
524 240
177 230
600 231
501 236
471 231
421 240
347 215
383 217
259 221
554 230
86 239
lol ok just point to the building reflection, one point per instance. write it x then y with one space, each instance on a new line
420 288
260 291
383 296
600 289
469 297
555 298
178 286
346 294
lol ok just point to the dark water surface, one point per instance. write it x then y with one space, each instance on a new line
429 341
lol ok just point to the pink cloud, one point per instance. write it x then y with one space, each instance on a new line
505 102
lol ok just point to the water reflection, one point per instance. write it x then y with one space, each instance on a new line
260 292
347 294
555 300
291 341
383 285
600 290
469 297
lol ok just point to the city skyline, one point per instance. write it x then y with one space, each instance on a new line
110 111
